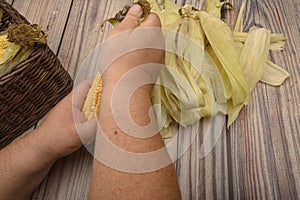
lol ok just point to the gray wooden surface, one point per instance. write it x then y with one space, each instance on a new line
258 158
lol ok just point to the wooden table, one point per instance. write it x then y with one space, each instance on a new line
259 157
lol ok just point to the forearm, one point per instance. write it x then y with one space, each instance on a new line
108 183
23 165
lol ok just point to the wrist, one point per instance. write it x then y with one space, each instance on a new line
43 145
115 78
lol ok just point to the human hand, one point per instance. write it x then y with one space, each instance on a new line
65 128
132 44
134 148
133 56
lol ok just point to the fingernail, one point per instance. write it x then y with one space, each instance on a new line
136 10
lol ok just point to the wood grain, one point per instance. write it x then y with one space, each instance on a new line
83 31
266 135
10 1
50 15
257 158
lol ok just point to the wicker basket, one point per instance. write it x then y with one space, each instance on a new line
31 87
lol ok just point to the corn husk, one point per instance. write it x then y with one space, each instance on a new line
115 21
26 35
209 68
213 7
181 89
273 74
254 55
235 54
17 42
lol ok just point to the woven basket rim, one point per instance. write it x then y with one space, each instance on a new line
30 88
5 6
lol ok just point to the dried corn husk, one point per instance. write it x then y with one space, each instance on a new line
122 13
277 41
26 35
209 68
232 54
274 74
182 87
17 42
213 7
254 55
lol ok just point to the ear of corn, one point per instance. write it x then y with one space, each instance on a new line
10 53
4 44
7 49
91 105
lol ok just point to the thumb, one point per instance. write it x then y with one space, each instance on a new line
132 19
87 130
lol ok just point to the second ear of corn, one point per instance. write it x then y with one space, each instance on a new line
92 102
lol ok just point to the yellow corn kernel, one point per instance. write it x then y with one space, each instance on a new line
3 44
92 102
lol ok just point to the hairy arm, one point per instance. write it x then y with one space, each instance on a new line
110 179
26 162
23 165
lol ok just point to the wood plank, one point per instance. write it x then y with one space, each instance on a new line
265 138
10 1
83 30
202 176
250 146
50 15
259 157
69 178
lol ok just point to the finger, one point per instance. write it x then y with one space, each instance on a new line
152 20
87 130
132 19
80 92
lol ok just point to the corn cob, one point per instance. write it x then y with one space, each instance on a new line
92 102
10 53
3 44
